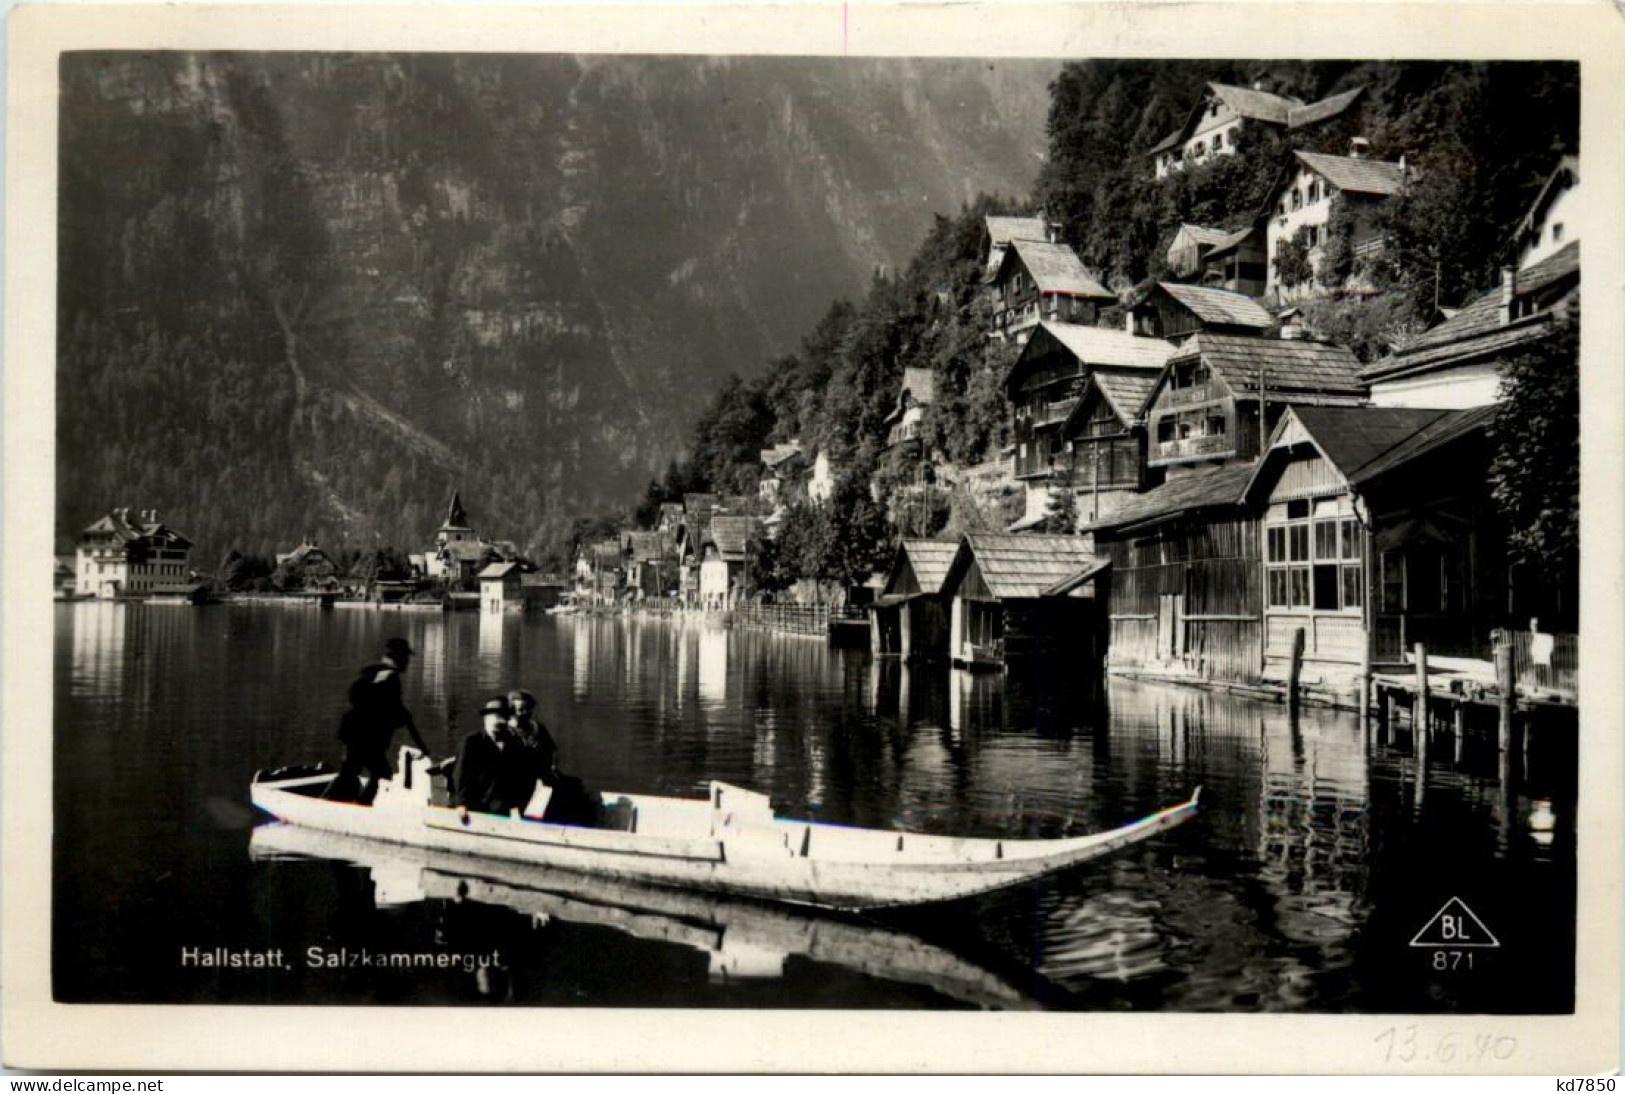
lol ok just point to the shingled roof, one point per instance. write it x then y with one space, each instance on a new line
1365 442
1022 567
732 535
1205 236
930 559
1356 174
1264 106
1055 268
1327 108
1125 392
1477 329
1218 489
1109 347
1220 307
1289 367
1002 230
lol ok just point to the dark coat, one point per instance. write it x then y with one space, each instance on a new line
494 778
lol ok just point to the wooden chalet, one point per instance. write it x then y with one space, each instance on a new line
1303 198
1169 310
781 466
1044 282
1457 363
1184 599
1044 386
1219 124
1220 395
1020 597
1002 229
910 618
651 564
1104 443
1378 532
1237 263
726 558
918 391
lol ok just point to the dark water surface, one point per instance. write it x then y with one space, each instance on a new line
1319 855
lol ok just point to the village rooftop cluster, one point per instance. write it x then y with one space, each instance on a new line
1209 490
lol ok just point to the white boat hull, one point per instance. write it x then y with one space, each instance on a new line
710 844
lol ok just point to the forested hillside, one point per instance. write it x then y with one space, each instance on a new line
1481 137
310 294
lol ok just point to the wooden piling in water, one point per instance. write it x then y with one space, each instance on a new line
1295 670
1507 697
1419 712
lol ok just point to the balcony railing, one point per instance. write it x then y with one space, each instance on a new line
1195 448
1053 412
1196 393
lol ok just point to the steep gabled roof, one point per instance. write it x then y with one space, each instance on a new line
497 570
1264 106
1356 174
1204 236
779 454
1366 442
1055 267
1567 172
1220 307
930 559
1125 392
732 535
1092 348
647 546
1232 241
1218 489
1022 567
1002 229
1323 110
1289 367
1477 329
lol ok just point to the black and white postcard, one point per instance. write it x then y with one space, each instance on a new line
884 537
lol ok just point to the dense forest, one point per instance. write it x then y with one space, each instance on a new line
311 294
1482 138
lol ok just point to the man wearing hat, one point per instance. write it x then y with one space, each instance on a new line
376 712
496 772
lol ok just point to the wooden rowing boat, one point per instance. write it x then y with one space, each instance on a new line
728 842
741 939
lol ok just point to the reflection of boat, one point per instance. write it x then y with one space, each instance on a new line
729 842
742 938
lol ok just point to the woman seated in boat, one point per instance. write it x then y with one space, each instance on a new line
495 772
571 801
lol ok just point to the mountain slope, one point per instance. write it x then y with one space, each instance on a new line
308 294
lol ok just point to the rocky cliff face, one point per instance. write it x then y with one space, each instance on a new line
309 294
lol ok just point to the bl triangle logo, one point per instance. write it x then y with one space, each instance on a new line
1454 927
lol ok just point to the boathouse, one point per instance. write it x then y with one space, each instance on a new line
1017 597
1184 598
499 587
1379 533
651 564
910 618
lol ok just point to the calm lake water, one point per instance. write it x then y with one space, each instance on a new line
1320 852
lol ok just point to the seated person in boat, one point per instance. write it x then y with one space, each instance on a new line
571 801
495 772
534 735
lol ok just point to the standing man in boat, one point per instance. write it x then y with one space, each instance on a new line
376 712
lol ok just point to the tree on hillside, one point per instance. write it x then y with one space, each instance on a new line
1535 469
1061 512
1292 264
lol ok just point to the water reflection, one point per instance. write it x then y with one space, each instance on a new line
1318 847
741 940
